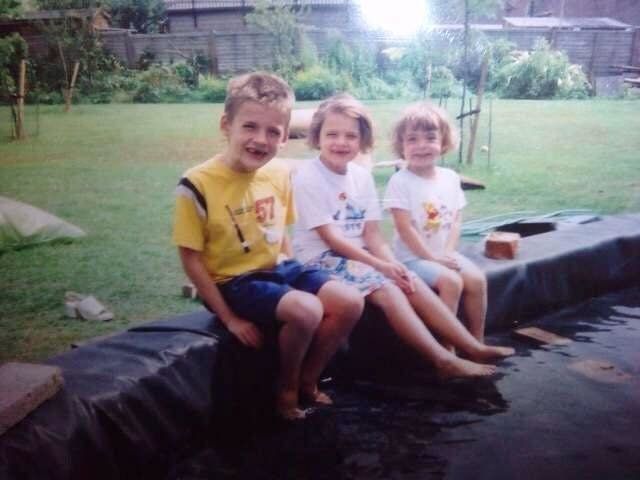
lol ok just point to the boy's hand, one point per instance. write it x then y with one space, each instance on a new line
397 272
449 261
246 332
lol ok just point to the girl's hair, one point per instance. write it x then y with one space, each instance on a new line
424 116
344 104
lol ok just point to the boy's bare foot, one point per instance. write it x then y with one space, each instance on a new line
292 414
459 367
315 397
287 406
488 352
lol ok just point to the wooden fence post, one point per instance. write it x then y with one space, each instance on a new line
213 57
476 118
129 50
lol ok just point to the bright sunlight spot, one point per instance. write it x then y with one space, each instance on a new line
401 17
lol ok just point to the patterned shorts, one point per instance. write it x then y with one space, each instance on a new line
360 275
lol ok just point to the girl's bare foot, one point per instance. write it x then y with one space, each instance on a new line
459 367
488 352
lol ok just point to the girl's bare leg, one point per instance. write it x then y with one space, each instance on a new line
474 300
449 286
439 318
412 330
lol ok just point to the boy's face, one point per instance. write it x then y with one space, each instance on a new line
422 148
339 141
255 134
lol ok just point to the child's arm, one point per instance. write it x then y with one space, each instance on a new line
243 330
454 234
285 248
333 237
412 238
392 269
408 233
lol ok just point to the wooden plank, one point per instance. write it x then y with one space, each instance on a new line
600 371
541 336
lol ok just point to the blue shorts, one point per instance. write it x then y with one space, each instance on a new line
430 271
255 295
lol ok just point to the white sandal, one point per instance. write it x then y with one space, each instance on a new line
86 307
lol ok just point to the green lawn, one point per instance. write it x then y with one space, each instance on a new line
111 170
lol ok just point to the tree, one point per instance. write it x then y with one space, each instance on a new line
282 22
13 53
146 16
63 4
453 11
9 8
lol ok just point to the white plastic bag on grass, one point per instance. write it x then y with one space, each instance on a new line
23 225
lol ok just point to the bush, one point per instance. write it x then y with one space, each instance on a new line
158 84
543 73
212 89
316 83
13 49
442 82
376 89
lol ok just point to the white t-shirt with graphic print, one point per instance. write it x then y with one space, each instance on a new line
323 197
432 203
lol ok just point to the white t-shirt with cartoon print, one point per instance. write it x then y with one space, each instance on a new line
432 203
323 197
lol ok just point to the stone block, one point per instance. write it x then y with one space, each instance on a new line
23 387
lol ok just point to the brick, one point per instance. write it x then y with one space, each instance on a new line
501 245
24 387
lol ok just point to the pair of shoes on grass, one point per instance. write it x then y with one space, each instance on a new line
86 307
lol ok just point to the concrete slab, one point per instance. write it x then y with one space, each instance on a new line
24 387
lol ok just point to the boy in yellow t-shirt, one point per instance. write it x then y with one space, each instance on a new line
230 229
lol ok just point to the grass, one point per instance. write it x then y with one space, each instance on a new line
111 170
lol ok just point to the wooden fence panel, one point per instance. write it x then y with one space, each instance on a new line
594 50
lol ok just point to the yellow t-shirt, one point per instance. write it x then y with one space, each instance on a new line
237 220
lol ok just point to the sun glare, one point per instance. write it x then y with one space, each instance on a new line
401 17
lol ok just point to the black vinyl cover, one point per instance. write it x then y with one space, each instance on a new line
128 404
560 268
135 403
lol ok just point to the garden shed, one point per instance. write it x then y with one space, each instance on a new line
595 43
29 26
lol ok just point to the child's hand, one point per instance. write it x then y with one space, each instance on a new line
397 272
449 261
246 332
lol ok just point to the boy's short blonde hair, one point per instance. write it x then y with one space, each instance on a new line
424 116
262 87
344 104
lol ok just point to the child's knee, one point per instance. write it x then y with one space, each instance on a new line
450 281
301 309
338 298
475 281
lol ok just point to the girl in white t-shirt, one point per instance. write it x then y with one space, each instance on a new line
337 229
426 202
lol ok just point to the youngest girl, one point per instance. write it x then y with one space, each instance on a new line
338 230
425 201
